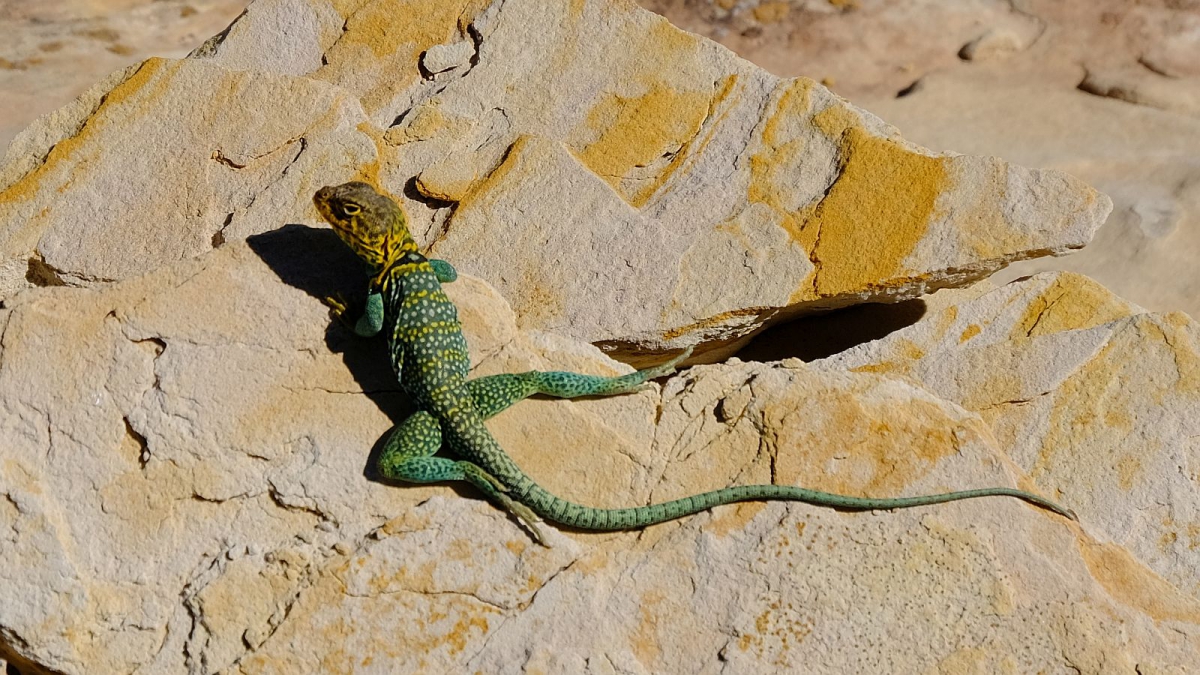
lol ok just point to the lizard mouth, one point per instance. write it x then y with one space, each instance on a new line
322 200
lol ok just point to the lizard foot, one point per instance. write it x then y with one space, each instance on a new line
525 515
496 490
339 308
668 367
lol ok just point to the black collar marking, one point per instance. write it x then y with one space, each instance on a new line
412 258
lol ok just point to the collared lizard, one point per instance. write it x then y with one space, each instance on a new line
429 354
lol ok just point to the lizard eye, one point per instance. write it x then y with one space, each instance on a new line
351 209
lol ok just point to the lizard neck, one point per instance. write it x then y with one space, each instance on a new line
399 253
406 262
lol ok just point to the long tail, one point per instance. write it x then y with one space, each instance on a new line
498 476
559 510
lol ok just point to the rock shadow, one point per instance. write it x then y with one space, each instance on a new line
822 335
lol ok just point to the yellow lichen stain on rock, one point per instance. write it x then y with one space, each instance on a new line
635 131
876 211
656 120
461 634
1130 583
778 629
369 172
347 8
945 320
771 12
134 89
1171 532
386 26
772 167
394 34
443 625
1096 411
865 449
1167 540
1178 332
427 120
1077 401
444 190
544 303
1071 302
689 149
646 647
712 321
904 354
968 333
516 159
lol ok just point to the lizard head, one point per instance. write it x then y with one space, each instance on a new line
370 223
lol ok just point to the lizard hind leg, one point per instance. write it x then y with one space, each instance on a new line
494 393
408 456
407 453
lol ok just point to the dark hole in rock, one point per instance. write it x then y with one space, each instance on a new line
820 335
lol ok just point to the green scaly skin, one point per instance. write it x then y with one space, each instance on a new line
431 361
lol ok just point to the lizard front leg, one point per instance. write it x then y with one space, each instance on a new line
443 270
494 393
368 323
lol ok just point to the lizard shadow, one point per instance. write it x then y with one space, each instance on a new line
316 261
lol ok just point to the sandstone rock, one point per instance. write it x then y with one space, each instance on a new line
184 477
1144 87
1098 401
1175 56
1025 108
869 47
709 168
994 44
143 175
1142 156
184 484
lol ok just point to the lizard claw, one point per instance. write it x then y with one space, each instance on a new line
337 305
526 516
498 491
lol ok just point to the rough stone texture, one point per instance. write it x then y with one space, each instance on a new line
150 177
1098 401
184 438
1106 90
184 524
669 177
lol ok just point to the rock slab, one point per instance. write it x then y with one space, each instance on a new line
655 180
186 489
